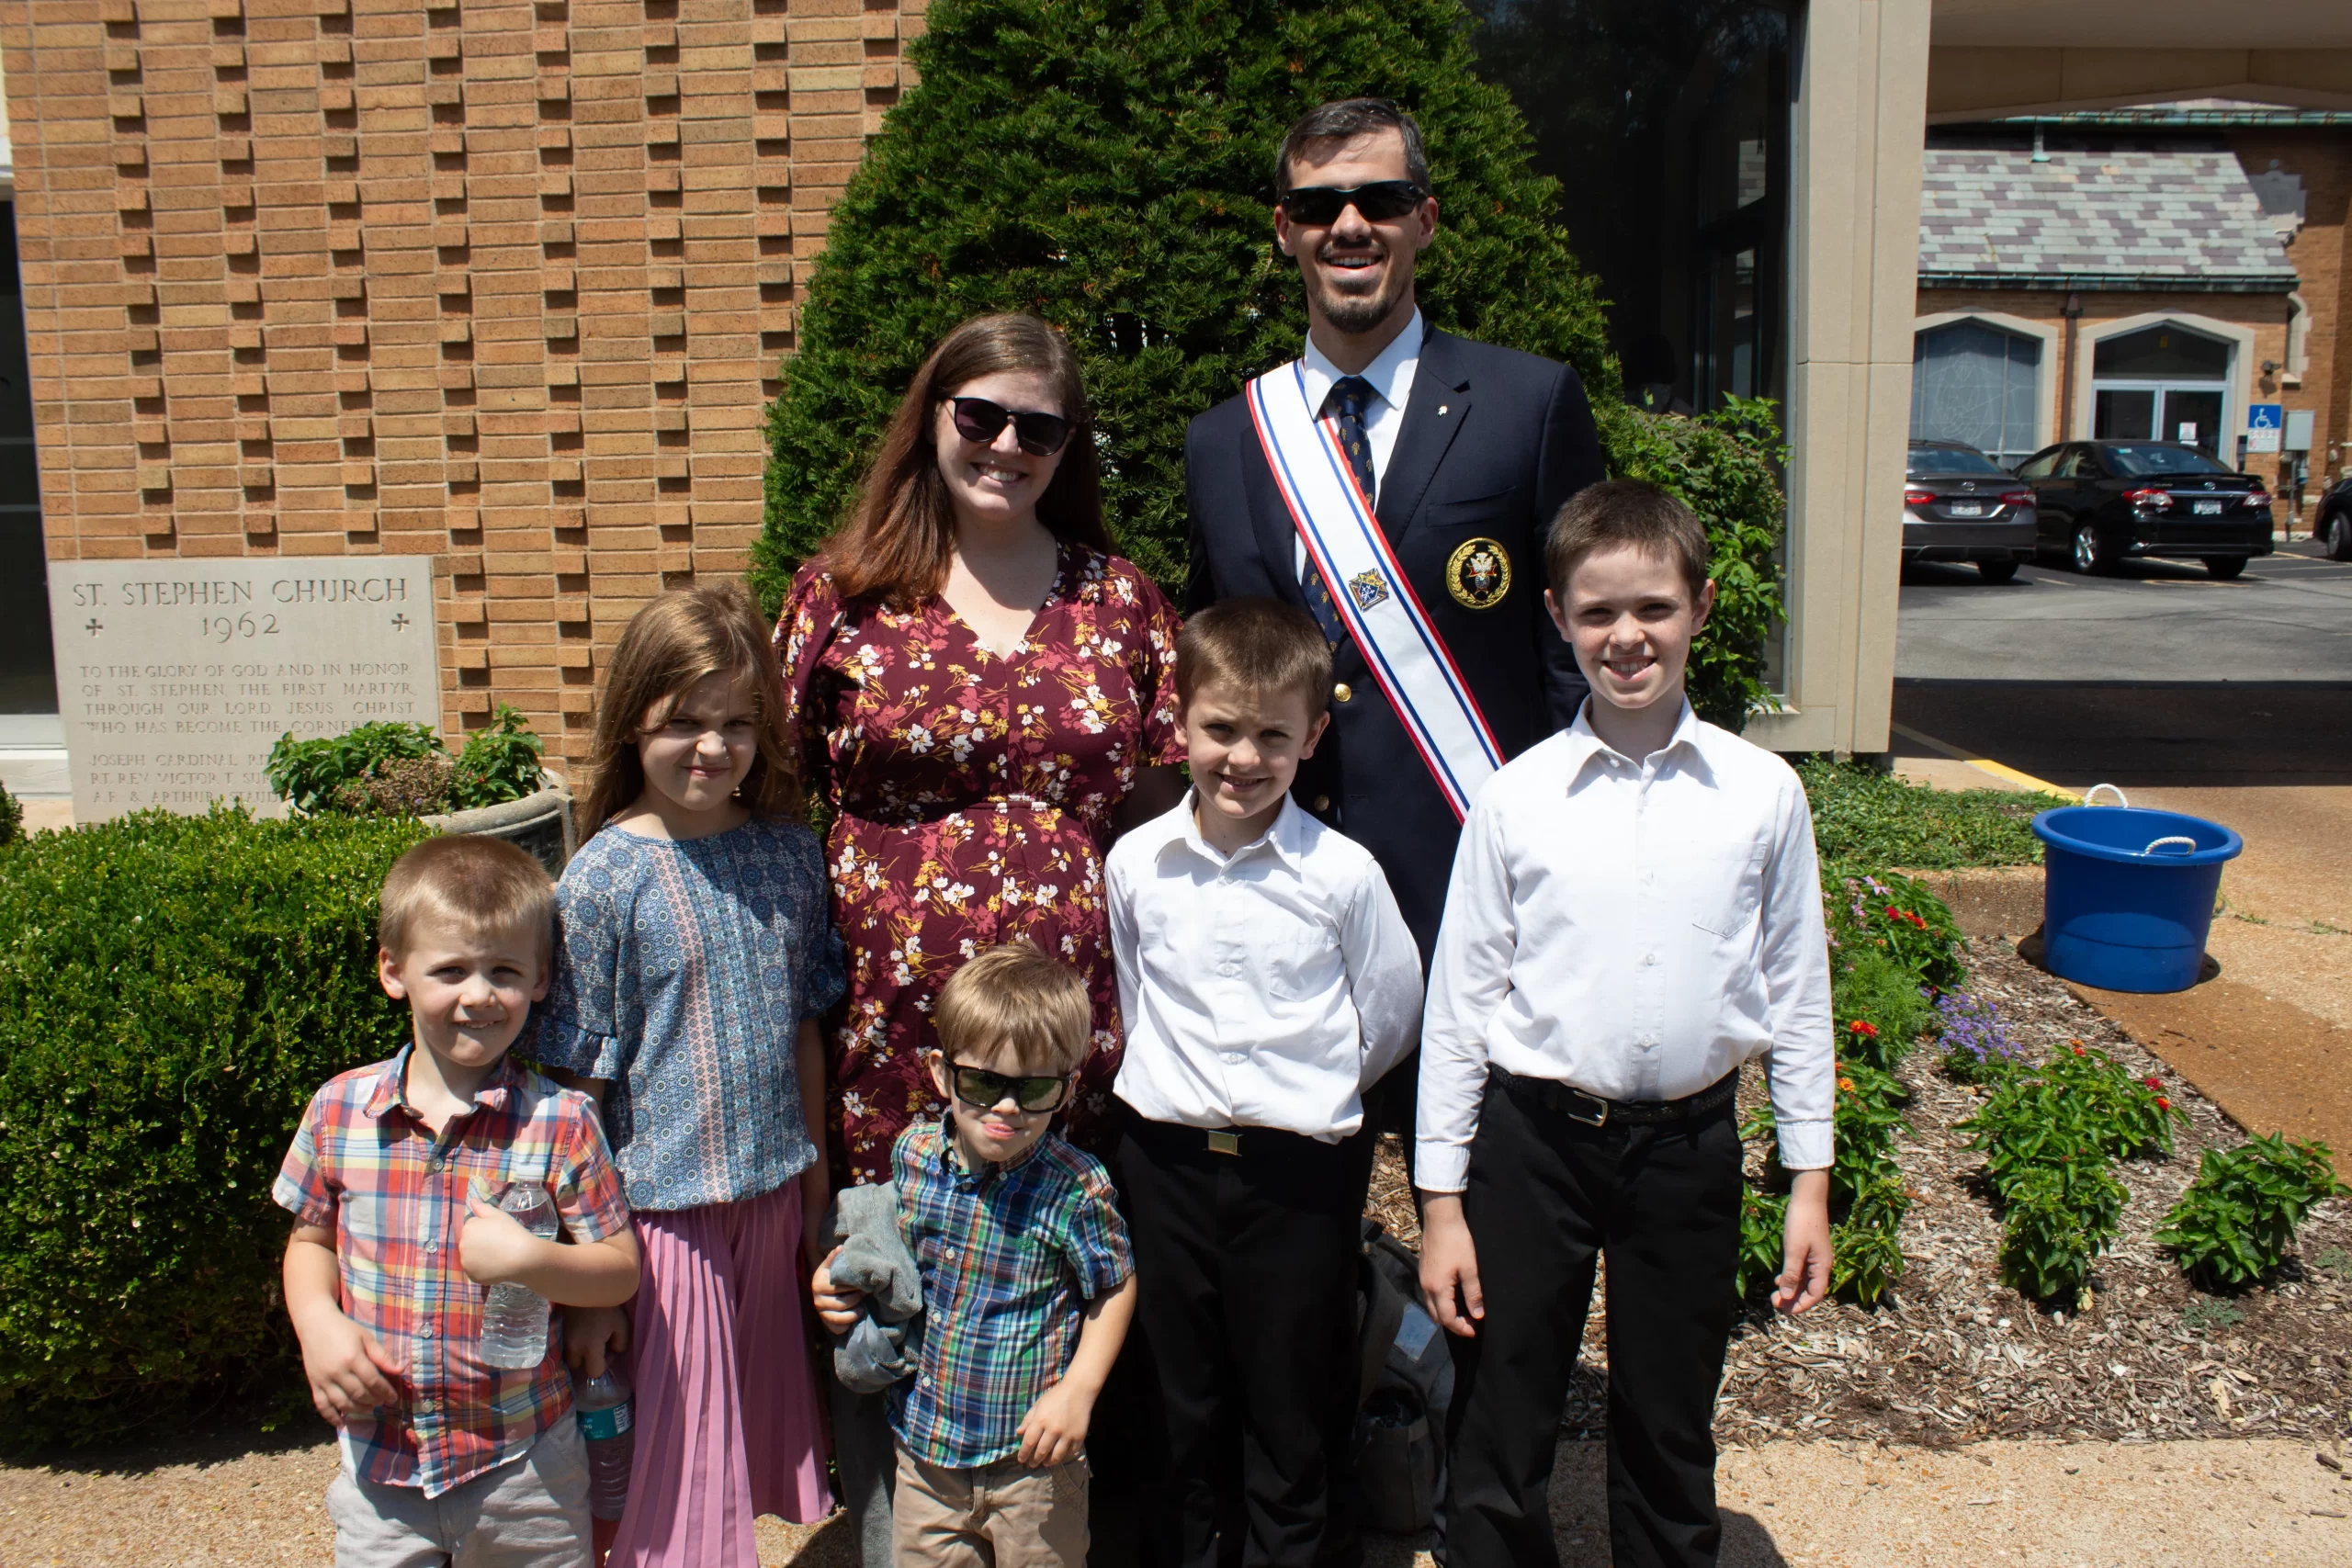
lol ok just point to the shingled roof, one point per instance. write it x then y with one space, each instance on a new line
2161 219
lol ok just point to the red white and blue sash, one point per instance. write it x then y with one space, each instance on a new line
1372 594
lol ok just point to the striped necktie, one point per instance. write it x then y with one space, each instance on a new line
1345 403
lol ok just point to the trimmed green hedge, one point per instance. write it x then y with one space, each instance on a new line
172 991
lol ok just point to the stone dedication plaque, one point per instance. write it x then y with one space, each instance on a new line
174 678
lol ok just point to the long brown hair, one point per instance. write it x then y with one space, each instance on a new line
901 530
674 641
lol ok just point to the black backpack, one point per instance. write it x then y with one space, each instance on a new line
1407 1381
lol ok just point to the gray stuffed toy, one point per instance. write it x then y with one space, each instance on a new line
887 1343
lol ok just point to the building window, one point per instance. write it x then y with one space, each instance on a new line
1975 383
2162 383
27 670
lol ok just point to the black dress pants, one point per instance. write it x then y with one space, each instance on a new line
1548 1196
1247 1268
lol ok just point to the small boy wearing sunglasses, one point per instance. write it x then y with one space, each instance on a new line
1026 1280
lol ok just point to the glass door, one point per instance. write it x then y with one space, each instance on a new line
2167 382
2193 417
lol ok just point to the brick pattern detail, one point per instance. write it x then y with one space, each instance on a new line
2323 158
500 282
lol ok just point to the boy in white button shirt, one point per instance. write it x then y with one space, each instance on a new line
1635 910
1267 978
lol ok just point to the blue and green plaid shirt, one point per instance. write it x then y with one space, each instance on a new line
1008 1258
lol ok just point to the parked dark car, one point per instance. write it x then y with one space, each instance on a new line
2102 501
2335 525
1960 506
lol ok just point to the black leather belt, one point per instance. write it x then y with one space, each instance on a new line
1566 1099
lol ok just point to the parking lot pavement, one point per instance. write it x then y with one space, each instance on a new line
2288 618
2143 733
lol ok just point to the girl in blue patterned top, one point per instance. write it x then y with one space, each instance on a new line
696 956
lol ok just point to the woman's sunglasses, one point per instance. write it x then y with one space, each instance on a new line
1319 206
980 422
984 1090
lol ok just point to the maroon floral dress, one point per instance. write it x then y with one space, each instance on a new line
973 798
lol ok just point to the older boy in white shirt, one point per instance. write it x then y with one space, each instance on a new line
1635 910
1267 977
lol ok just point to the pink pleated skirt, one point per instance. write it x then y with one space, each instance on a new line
727 1426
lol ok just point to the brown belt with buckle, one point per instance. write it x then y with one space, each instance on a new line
1566 1099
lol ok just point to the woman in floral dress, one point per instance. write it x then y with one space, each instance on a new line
980 685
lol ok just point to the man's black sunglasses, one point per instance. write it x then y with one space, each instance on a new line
1319 207
984 1090
981 422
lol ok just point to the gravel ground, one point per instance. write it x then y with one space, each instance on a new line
1954 1423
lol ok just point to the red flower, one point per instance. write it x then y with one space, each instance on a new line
1860 1026
1893 913
2152 1082
2077 1046
1917 921
2163 1104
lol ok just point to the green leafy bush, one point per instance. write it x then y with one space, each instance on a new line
172 990
2056 1220
402 770
2234 1223
12 817
1864 817
1876 1006
2049 1136
320 775
1763 1237
1866 1247
499 762
1898 916
1107 165
1867 1195
2131 1118
1727 468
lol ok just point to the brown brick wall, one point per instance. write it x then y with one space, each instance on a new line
501 283
2323 159
2264 314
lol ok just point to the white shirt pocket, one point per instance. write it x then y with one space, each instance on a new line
1299 964
1720 887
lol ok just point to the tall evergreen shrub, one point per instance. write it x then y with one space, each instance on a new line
1108 166
172 990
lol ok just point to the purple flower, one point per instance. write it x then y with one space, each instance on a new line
1973 1024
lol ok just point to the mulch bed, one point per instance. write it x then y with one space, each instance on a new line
1953 1355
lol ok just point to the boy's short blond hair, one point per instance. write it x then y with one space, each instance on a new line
479 883
1259 645
1014 1002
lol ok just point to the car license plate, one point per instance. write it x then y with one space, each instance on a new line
1966 509
2206 508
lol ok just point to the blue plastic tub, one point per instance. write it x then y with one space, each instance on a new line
2127 894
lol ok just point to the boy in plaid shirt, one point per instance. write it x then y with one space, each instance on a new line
445 1459
1026 1283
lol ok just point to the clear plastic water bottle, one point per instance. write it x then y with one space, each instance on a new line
514 1317
604 1409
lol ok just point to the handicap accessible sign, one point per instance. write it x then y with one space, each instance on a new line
2263 423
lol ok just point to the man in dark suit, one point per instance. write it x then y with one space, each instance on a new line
1466 452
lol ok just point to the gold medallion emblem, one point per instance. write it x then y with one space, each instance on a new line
1478 574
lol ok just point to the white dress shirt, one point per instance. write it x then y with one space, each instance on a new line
1391 375
1267 988
1637 929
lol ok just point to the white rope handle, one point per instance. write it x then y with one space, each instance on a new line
2181 838
2089 795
